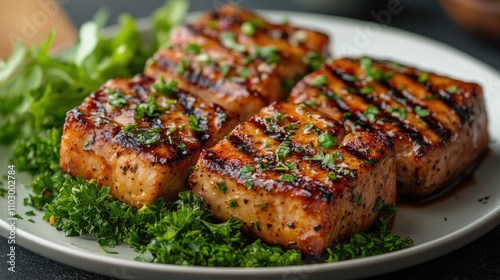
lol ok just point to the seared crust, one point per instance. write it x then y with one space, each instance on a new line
274 175
100 142
242 71
438 124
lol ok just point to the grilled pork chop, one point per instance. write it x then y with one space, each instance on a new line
139 137
295 179
438 124
234 58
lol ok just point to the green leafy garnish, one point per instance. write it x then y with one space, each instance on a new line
326 141
422 112
319 81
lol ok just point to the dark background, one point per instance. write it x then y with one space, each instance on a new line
477 260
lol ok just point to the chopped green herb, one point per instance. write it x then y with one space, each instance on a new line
168 88
367 90
287 178
262 205
269 53
423 77
225 68
149 109
30 214
313 60
422 112
228 40
366 64
332 175
326 141
193 48
148 138
194 124
283 150
116 98
182 66
248 28
311 102
398 112
232 203
319 80
371 112
221 186
203 57
452 89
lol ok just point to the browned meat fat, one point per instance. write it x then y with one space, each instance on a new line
139 138
438 124
295 179
236 59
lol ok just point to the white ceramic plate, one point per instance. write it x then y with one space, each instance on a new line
437 228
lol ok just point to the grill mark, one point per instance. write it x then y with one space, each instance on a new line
189 108
432 123
405 128
313 188
196 78
305 151
362 156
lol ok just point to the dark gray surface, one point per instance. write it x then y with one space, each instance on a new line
477 260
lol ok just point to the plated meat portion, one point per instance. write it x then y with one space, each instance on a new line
438 124
235 58
139 137
295 179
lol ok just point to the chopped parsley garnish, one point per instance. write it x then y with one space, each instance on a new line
422 112
423 77
146 136
326 141
371 112
452 89
167 88
203 57
269 53
194 124
366 64
224 69
319 80
221 186
228 40
181 67
283 150
149 109
232 203
287 178
367 90
313 60
116 98
193 48
311 102
246 173
332 175
248 28
398 112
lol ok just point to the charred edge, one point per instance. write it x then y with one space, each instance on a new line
407 129
190 109
270 128
141 84
242 143
432 123
362 156
463 112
